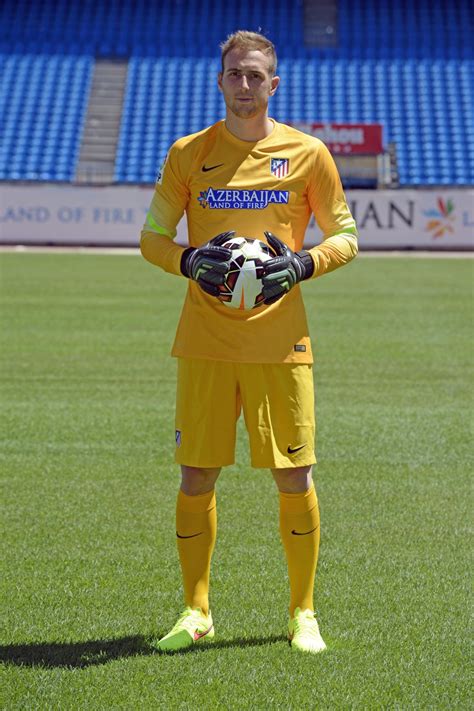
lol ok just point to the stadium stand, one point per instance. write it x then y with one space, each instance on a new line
43 99
407 65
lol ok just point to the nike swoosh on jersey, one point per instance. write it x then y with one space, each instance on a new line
305 533
211 167
193 535
292 450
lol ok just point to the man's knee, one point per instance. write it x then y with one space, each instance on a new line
293 480
197 480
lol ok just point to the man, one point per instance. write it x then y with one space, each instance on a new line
258 360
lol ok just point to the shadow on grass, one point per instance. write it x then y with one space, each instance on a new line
73 654
95 652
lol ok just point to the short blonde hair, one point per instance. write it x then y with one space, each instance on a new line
250 41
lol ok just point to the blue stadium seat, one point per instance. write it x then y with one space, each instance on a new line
407 64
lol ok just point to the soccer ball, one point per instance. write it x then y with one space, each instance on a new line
242 288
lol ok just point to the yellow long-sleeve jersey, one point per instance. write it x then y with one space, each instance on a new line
224 183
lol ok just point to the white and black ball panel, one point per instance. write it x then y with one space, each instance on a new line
242 288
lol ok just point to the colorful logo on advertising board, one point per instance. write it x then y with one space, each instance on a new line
441 218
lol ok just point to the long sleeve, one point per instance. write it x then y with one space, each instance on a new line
328 203
167 206
160 250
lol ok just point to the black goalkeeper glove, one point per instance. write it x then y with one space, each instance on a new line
208 264
282 272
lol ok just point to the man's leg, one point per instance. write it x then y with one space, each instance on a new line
299 529
207 407
196 525
278 403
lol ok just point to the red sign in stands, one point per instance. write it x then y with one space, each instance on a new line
347 138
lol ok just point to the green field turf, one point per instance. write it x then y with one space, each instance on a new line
90 567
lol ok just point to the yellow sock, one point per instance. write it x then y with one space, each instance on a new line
299 529
196 526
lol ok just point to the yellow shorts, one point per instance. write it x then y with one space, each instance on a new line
278 405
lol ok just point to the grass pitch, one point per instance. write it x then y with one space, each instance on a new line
90 569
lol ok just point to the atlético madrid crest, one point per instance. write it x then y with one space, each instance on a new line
280 167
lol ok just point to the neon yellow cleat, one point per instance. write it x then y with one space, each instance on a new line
304 634
191 627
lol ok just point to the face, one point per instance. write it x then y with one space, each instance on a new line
246 82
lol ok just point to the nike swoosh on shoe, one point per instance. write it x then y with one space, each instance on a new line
198 635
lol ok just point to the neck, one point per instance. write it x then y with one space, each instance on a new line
252 129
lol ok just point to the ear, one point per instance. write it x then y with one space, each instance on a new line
219 81
274 85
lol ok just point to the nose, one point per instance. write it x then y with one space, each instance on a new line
245 84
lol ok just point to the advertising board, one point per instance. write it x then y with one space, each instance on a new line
113 216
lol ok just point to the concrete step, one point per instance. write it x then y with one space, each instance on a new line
108 143
113 71
101 130
111 74
92 149
100 165
98 156
98 131
104 125
105 107
106 94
